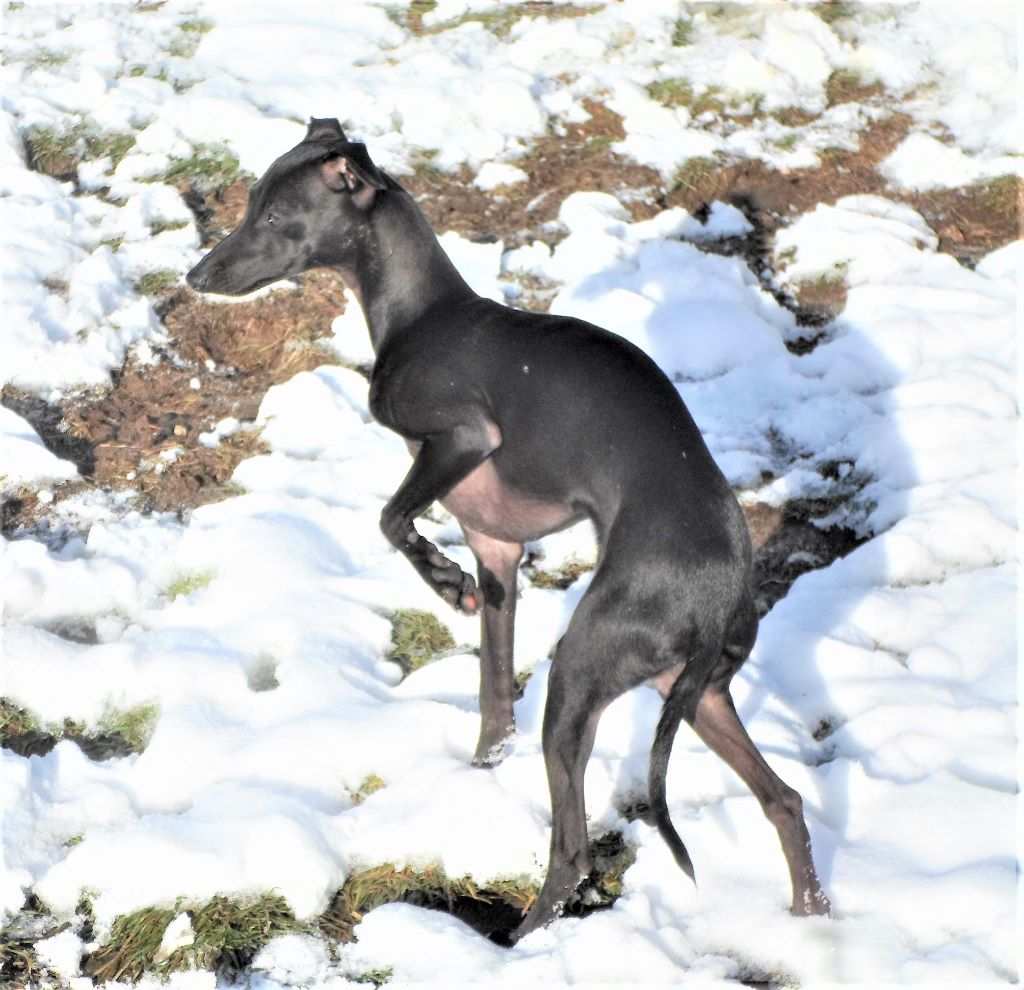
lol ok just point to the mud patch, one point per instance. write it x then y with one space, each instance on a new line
787 543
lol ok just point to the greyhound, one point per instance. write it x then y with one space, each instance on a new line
522 424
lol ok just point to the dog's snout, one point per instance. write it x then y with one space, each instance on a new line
198 278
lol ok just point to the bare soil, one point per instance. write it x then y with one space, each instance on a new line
557 165
143 433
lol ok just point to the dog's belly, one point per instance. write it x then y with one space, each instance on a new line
483 502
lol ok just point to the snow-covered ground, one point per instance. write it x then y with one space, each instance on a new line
883 687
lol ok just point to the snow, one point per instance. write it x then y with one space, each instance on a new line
493 175
274 699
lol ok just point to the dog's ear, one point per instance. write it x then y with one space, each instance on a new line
351 170
324 127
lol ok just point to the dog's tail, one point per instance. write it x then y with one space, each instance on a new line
681 703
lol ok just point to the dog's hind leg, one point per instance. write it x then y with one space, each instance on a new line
576 699
719 726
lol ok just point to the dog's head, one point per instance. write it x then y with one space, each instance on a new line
306 211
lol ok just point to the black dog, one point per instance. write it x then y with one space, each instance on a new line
522 424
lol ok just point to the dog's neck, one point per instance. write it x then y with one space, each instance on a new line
401 270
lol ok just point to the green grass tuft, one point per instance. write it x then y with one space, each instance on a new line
378 977
675 92
157 282
1003 194
499 20
58 151
678 92
16 721
386 884
370 785
561 578
831 11
210 168
788 141
417 637
682 32
134 725
44 57
196 25
228 934
133 943
160 226
188 582
696 172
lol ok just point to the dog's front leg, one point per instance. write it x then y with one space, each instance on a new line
442 461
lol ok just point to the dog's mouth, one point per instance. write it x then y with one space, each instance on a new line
212 284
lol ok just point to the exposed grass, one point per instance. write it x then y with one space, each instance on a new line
58 151
44 57
674 92
210 168
185 44
378 977
16 721
788 141
160 226
158 282
386 884
1004 194
793 116
188 582
499 20
417 637
118 731
370 785
19 964
134 725
696 172
833 10
560 578
228 933
422 162
196 25
712 100
679 92
682 32
847 86
411 15
133 943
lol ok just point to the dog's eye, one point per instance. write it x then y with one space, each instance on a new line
272 218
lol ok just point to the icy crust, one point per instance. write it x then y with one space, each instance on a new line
882 688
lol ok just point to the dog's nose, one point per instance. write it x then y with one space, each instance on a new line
197 279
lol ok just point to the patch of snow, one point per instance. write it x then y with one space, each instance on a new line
493 175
